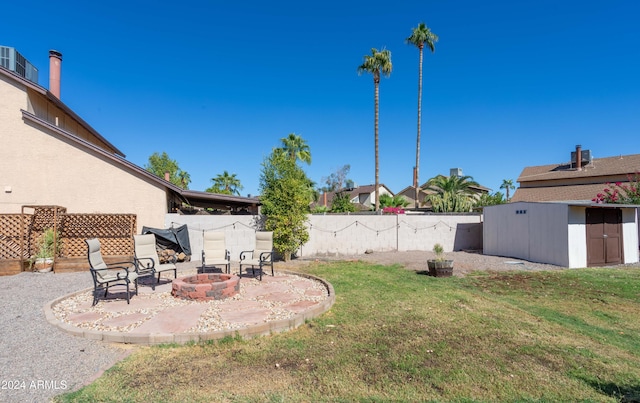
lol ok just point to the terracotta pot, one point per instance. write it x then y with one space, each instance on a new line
440 268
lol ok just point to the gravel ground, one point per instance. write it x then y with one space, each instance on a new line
39 361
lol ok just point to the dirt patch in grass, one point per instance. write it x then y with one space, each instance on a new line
464 262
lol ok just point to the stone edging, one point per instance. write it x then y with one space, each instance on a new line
262 329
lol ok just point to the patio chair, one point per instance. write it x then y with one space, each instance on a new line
105 275
147 260
261 256
214 251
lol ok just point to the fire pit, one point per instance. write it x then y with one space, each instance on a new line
206 287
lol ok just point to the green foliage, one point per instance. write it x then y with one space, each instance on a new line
225 183
448 202
454 194
621 193
341 203
452 184
392 201
296 148
490 199
422 35
161 163
320 209
49 244
507 184
438 250
285 201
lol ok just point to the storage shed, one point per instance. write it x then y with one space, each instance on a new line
567 234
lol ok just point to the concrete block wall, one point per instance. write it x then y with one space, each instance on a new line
335 235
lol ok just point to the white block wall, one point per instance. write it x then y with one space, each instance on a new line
337 235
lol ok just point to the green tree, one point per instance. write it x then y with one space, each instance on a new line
452 193
387 200
490 199
296 148
453 184
420 36
378 62
284 191
507 184
449 202
226 183
341 203
159 164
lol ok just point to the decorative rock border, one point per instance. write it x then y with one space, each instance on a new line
252 331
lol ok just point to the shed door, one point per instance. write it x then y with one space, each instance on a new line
604 236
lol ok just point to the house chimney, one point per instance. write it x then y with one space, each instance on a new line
578 157
55 60
167 177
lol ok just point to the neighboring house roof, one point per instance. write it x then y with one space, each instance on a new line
109 151
557 182
368 190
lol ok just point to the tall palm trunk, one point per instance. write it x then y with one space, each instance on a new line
375 130
417 184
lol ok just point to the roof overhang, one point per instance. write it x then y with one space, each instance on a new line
217 200
583 203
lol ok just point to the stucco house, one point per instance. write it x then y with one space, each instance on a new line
578 179
51 156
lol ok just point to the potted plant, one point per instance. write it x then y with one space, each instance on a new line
440 267
48 246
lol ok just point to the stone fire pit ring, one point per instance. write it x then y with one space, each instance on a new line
206 287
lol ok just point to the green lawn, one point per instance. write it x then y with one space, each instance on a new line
394 335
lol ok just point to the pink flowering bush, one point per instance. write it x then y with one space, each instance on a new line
393 210
621 193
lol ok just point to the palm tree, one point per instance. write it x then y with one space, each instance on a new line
452 193
452 184
296 148
420 36
184 179
507 184
226 183
376 63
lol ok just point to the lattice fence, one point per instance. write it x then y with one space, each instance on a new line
18 232
115 232
13 239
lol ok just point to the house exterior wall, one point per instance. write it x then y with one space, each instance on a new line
40 167
341 235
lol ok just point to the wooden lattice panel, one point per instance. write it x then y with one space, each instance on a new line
45 217
12 231
98 225
77 247
115 232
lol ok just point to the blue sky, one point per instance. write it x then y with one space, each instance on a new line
217 84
